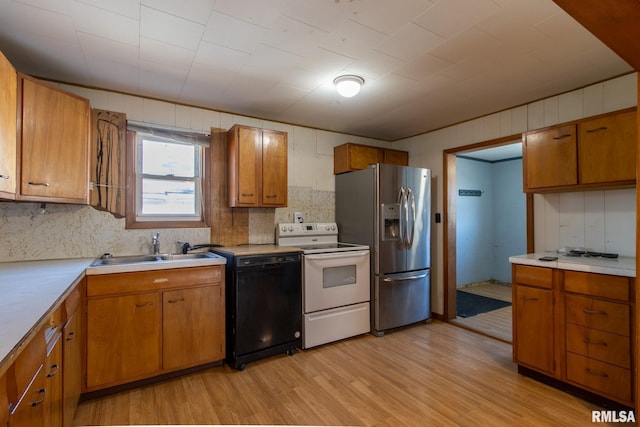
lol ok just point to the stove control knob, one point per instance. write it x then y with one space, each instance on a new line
333 227
327 227
290 228
283 229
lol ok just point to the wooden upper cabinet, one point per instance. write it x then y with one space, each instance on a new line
607 148
257 167
351 157
54 143
551 157
591 153
274 166
8 131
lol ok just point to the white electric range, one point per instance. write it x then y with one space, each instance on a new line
336 284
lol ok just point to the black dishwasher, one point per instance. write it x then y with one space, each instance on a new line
264 306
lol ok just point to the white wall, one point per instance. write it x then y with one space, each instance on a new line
426 151
491 227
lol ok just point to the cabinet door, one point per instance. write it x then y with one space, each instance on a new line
4 401
551 158
124 340
395 157
8 130
53 384
533 334
193 326
72 372
30 410
55 144
245 154
607 148
274 168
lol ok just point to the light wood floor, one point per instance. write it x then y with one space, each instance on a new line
427 374
496 323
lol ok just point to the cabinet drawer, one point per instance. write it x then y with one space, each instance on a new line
597 314
602 378
599 285
533 276
29 362
603 346
119 283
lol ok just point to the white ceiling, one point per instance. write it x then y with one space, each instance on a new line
427 63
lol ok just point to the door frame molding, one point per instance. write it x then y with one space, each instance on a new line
449 210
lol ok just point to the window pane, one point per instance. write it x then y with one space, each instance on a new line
168 197
165 159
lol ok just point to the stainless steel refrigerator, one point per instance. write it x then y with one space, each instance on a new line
388 207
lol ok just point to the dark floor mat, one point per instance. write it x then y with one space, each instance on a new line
468 304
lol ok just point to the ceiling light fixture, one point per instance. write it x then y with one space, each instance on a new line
348 85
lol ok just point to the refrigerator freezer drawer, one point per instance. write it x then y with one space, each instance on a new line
335 324
401 299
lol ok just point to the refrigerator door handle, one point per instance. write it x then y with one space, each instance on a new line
402 203
413 216
403 279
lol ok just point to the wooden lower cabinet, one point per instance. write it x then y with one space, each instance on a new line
72 367
123 338
27 383
534 323
4 401
190 326
53 383
37 390
575 328
143 324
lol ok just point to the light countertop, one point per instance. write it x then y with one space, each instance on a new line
155 265
30 289
242 250
622 266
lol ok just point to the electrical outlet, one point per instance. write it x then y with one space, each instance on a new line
297 218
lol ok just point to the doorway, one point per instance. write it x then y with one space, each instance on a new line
486 221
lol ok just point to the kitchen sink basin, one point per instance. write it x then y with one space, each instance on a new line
137 259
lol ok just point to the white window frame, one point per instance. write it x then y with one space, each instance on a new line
134 216
140 176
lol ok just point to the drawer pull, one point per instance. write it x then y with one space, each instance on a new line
594 312
144 304
588 341
173 301
247 194
70 336
525 298
4 176
563 136
42 184
161 280
597 373
271 196
597 129
43 392
54 370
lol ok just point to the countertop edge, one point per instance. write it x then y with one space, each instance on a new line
623 266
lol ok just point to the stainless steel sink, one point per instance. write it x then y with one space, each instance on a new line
137 259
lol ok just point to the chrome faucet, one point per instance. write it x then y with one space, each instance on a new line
156 243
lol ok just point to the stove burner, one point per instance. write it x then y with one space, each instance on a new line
590 254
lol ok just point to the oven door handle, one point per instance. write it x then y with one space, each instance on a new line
334 255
